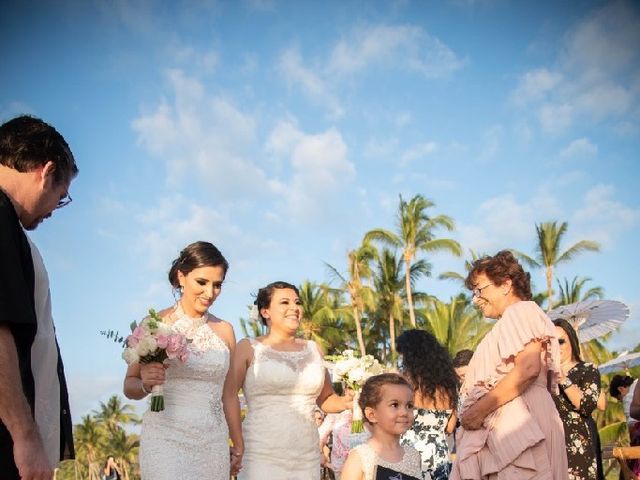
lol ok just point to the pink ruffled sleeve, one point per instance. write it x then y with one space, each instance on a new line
522 323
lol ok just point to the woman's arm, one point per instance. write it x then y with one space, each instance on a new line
584 395
527 365
230 402
352 468
451 424
141 378
328 400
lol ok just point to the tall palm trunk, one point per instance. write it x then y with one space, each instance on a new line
357 319
407 283
392 337
549 288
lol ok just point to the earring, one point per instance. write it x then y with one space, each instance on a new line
181 289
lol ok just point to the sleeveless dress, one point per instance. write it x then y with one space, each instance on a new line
189 438
409 465
280 435
428 436
524 438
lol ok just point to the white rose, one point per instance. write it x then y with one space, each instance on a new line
146 346
164 329
356 375
130 356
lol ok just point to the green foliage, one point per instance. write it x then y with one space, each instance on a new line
100 435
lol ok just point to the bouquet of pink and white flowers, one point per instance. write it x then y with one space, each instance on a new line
353 372
152 340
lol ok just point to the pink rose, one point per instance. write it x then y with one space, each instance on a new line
175 345
162 341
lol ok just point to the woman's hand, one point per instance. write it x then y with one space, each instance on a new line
236 461
472 419
152 374
348 399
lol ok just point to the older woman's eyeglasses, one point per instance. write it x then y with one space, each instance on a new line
478 291
64 201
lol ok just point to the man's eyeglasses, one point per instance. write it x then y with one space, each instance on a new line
64 201
478 291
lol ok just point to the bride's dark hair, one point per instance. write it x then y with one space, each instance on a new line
197 255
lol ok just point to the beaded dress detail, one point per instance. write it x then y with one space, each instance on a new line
409 465
189 438
280 435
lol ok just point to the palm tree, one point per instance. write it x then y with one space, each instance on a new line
124 449
319 321
114 414
389 286
572 293
461 277
416 234
360 296
457 325
548 252
89 438
252 327
391 290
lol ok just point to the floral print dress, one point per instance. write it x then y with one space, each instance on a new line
581 453
428 436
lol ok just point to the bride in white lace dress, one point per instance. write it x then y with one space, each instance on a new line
190 437
283 378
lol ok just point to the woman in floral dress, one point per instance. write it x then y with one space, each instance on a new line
579 390
429 368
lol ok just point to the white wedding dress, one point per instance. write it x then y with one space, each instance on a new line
280 435
189 438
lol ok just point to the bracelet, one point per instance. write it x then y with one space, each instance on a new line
566 384
144 390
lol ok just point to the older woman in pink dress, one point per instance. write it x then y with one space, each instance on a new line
510 427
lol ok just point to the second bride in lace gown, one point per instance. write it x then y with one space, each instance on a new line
190 437
283 378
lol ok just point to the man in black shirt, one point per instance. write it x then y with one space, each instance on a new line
36 170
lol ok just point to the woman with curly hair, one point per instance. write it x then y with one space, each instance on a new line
428 366
509 426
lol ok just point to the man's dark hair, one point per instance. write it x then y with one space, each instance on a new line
27 143
462 358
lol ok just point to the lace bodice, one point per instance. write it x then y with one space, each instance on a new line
281 438
189 438
409 465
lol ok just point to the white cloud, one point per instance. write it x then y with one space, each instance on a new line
593 77
555 118
580 148
504 222
418 152
319 163
404 46
534 85
201 136
291 66
605 217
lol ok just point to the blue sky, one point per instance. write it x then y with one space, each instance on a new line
283 131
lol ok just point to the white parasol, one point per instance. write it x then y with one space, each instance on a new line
624 361
592 318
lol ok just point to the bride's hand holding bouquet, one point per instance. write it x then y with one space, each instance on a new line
151 343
